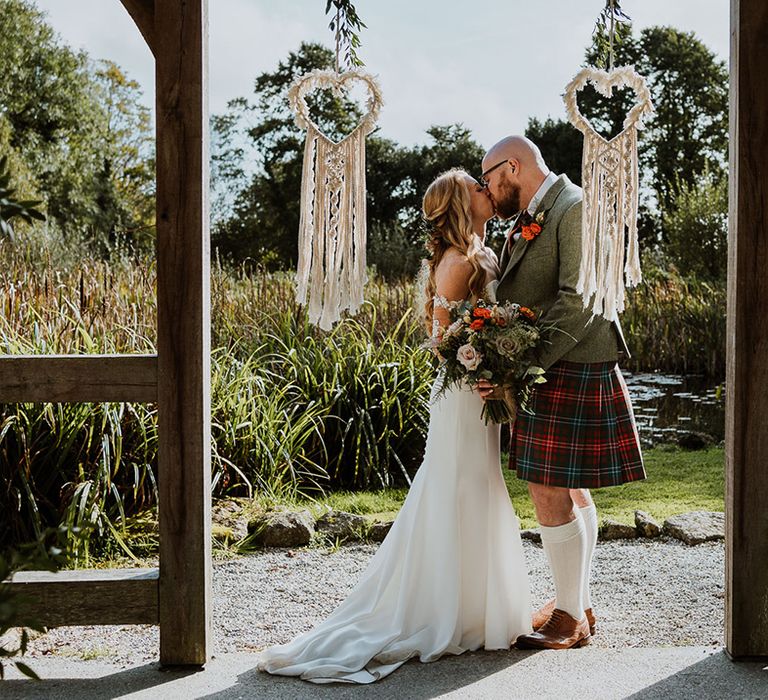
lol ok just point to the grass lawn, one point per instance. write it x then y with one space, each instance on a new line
677 482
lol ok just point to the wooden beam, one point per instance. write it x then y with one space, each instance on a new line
183 335
143 14
746 615
78 378
89 597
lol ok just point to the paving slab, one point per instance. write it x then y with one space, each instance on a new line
673 672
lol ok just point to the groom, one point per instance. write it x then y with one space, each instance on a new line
580 432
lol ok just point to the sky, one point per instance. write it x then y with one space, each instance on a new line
488 65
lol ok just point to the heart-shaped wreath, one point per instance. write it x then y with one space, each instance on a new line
322 79
604 83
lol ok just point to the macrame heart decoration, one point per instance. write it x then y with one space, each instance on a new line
609 171
331 272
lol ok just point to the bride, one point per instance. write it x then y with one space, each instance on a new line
450 575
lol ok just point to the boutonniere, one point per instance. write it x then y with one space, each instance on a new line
533 229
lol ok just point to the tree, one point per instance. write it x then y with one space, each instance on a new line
689 86
560 144
261 221
11 206
125 189
62 111
697 222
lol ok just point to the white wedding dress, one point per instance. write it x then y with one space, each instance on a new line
449 577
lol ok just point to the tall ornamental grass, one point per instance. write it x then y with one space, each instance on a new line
295 410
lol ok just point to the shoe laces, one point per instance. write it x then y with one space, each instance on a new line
554 620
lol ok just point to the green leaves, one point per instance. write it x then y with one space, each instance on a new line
79 129
10 207
346 25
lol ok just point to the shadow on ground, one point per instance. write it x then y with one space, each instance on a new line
674 672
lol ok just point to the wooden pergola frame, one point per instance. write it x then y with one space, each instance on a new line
178 595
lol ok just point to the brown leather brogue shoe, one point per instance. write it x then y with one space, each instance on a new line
560 631
591 620
543 613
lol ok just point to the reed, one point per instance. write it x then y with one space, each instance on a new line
295 411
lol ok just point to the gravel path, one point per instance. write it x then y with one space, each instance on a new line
645 594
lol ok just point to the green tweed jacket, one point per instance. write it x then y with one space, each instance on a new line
542 274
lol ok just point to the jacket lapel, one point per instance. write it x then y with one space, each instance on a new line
507 247
522 245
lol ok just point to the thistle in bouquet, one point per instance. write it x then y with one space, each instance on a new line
493 341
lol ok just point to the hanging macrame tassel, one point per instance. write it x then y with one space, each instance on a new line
331 271
610 255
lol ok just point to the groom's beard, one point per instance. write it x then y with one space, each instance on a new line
508 203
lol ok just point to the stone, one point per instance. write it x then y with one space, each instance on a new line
282 529
378 531
342 526
694 440
613 530
646 525
533 535
229 515
696 527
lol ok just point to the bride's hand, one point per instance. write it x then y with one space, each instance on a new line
486 389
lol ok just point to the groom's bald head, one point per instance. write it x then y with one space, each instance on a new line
513 169
518 148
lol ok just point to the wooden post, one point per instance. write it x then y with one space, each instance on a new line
183 334
746 614
143 14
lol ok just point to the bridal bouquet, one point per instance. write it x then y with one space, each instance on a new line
495 342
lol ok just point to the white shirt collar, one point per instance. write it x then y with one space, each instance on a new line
549 180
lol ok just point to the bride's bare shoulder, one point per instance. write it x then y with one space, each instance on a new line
454 264
452 275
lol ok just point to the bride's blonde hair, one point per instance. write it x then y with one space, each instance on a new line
446 207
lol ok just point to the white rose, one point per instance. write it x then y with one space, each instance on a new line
469 357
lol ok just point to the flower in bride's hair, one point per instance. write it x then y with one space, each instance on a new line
469 357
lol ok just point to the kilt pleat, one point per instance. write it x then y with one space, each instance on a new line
579 430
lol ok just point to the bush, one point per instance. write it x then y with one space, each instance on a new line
392 255
697 227
674 324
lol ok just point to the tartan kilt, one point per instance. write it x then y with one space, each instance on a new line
580 432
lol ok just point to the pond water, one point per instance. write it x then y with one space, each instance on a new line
668 404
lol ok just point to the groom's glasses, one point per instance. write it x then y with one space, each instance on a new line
483 181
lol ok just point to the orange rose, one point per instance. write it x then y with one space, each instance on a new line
477 325
482 313
531 231
525 311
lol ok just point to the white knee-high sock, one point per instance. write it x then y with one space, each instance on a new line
564 546
589 516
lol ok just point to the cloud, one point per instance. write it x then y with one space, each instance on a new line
489 65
